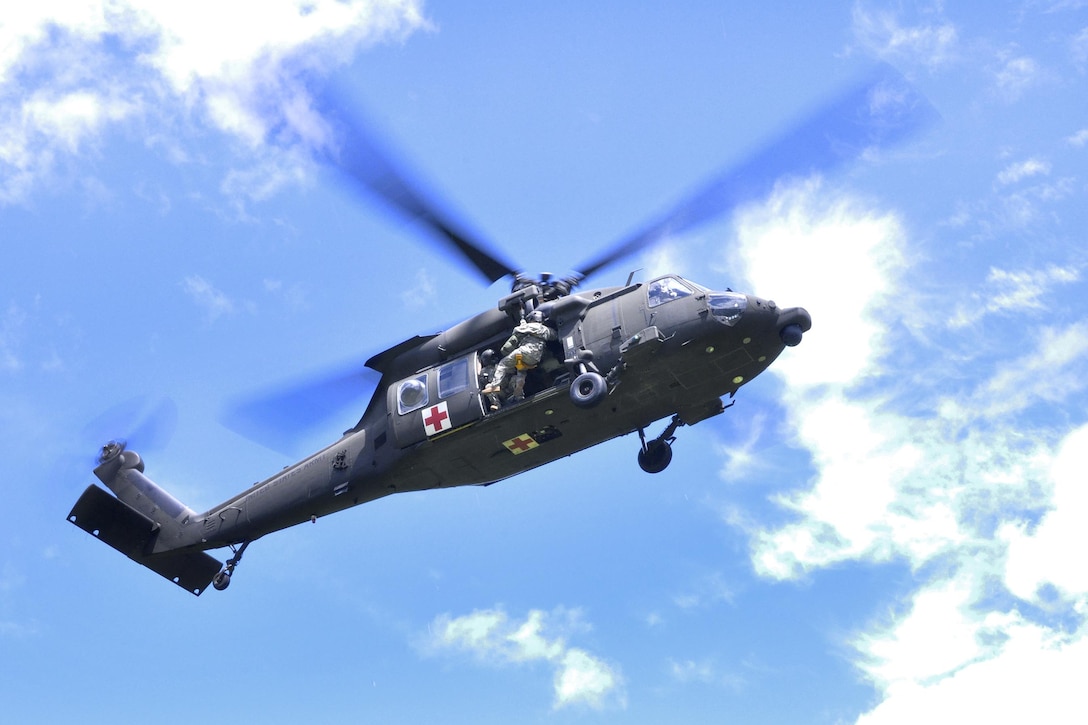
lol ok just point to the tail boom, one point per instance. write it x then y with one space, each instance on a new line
143 522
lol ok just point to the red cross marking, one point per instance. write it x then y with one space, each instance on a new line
521 444
436 419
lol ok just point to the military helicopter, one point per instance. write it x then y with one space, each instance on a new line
623 358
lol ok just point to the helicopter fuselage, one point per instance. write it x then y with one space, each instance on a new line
667 349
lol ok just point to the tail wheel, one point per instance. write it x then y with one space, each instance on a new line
221 580
588 389
655 457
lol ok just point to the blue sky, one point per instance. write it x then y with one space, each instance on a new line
887 527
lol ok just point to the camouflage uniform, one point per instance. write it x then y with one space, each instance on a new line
527 344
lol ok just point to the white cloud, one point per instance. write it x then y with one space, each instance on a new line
885 488
491 636
1022 170
70 70
207 42
835 258
1036 675
931 41
937 637
71 117
1039 555
583 679
965 485
664 258
887 484
842 261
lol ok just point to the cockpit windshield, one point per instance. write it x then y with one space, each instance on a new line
665 290
726 307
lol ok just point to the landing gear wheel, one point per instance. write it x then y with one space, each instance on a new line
221 580
655 457
588 389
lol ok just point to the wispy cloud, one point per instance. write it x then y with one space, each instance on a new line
1013 292
739 453
930 40
422 293
1053 368
1025 197
12 580
292 295
1022 170
710 590
703 672
21 349
1079 139
11 327
492 637
1078 48
213 301
1015 76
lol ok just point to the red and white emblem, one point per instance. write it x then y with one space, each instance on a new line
436 419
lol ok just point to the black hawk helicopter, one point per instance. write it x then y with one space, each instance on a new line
621 359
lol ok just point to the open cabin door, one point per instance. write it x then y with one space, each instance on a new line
435 401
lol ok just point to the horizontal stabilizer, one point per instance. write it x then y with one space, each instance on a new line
133 534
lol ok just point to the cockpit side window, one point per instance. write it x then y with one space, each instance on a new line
452 378
412 394
665 290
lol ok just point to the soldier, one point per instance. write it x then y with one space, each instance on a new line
521 353
488 359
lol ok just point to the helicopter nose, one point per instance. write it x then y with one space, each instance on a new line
791 335
793 323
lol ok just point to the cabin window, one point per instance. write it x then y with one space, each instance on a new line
452 378
412 394
665 290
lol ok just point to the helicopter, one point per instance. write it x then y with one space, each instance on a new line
615 361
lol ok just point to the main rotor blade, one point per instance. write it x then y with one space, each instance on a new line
882 110
281 416
361 159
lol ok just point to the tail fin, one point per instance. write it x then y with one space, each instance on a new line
143 522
